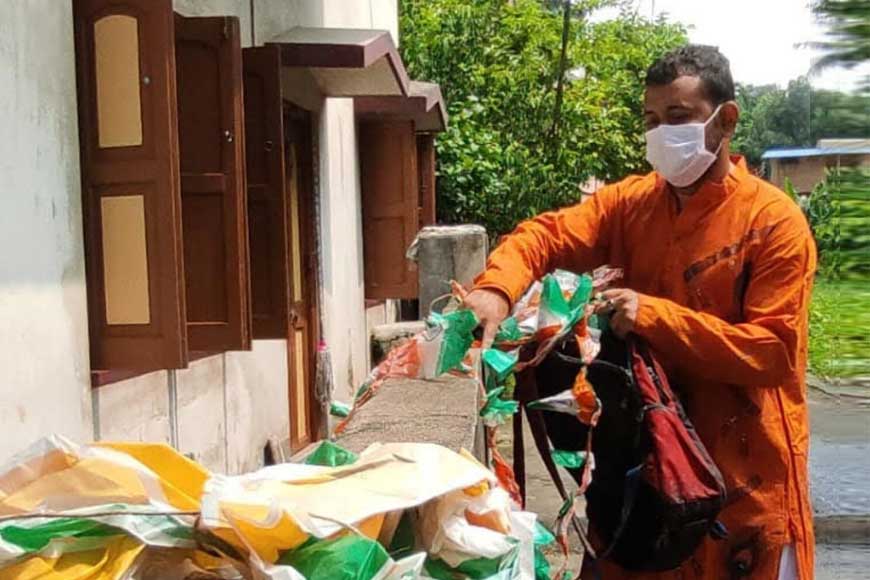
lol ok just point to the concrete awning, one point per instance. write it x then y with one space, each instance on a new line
346 62
424 105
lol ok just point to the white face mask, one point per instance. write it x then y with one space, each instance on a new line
679 152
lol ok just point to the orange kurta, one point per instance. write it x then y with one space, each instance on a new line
724 290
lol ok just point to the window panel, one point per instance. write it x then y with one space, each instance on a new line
267 202
391 207
208 55
119 107
131 202
125 260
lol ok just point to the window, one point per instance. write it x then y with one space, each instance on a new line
267 203
208 62
166 235
397 175
391 207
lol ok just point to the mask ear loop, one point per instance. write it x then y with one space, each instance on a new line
707 122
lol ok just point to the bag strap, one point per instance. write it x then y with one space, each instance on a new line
525 392
519 454
632 484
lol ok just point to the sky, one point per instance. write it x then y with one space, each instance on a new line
759 37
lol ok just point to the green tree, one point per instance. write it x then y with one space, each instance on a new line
797 116
498 64
773 117
848 22
836 114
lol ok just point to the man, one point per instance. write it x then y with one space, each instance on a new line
718 274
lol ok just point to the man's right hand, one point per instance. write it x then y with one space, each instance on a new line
491 307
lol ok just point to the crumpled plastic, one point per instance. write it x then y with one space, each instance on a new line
100 510
65 506
344 558
339 409
568 459
446 341
509 331
542 538
499 365
499 406
441 348
466 537
497 410
551 309
563 522
330 454
580 400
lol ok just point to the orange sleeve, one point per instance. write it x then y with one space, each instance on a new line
575 239
763 350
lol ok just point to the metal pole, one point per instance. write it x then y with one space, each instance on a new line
563 63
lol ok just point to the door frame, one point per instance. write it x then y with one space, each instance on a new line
294 116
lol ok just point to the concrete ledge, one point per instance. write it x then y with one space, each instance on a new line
442 411
857 388
842 529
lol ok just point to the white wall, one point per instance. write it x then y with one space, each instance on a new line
134 410
345 321
377 14
238 8
44 367
257 401
341 246
222 410
273 17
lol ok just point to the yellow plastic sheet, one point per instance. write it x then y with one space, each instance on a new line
106 563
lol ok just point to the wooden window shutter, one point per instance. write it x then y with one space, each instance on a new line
388 176
214 214
426 167
130 183
267 202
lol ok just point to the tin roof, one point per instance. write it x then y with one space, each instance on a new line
859 149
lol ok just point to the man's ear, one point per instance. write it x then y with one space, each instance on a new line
728 118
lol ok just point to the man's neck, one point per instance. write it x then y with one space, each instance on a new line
716 174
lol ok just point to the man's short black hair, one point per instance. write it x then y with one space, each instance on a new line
696 60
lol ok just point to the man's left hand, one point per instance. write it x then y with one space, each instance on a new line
623 304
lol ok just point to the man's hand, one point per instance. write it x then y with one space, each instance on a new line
491 308
623 304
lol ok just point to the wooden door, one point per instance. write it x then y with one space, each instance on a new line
305 412
209 71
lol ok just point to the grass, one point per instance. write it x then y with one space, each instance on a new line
840 329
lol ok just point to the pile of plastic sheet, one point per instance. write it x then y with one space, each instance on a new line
397 511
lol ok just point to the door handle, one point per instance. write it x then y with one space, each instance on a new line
297 320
